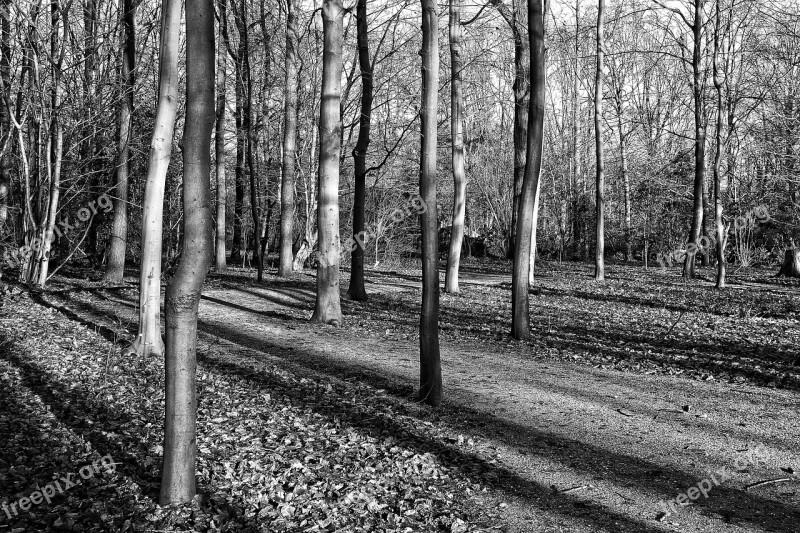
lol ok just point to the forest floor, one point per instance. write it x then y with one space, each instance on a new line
632 392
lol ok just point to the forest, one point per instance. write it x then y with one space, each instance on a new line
399 266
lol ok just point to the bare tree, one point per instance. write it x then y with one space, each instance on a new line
520 327
430 376
327 309
457 150
356 291
599 259
115 267
289 163
148 339
183 293
220 259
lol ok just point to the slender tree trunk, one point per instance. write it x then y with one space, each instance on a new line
239 248
148 340
289 163
457 151
328 304
522 74
356 291
115 267
718 222
699 144
220 259
599 255
520 327
55 143
183 293
5 109
430 371
626 186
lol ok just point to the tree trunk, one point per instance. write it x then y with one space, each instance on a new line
599 253
148 340
220 259
328 304
520 327
239 248
430 371
356 291
522 74
626 186
457 135
719 224
183 293
536 201
56 142
289 162
699 144
115 267
791 264
5 109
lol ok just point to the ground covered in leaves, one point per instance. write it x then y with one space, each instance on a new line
629 394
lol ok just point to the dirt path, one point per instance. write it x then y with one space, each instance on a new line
568 447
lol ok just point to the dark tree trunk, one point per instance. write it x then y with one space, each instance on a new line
356 291
520 327
699 144
115 267
183 292
430 375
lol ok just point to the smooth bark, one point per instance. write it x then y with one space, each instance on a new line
430 375
115 267
721 234
520 326
357 291
327 309
457 150
148 340
289 163
220 257
599 253
183 292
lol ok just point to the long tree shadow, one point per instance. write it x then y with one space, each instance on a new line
580 455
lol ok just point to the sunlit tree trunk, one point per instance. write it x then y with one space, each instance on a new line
430 375
115 267
55 152
457 150
599 255
356 291
183 293
520 327
328 303
148 340
535 223
699 143
289 164
626 186
220 259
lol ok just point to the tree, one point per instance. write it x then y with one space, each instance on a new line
328 302
721 232
183 292
5 109
220 259
115 268
356 291
289 162
599 263
430 375
457 150
148 340
520 326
